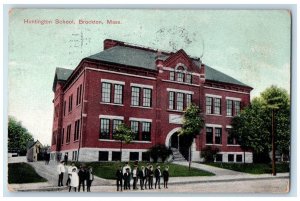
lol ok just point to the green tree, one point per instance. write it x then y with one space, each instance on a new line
124 134
159 151
193 122
253 126
18 136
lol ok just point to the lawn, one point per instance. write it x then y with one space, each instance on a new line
107 170
19 173
253 168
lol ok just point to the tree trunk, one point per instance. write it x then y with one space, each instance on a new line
121 146
190 157
273 146
244 156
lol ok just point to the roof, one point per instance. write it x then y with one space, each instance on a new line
32 143
129 56
61 74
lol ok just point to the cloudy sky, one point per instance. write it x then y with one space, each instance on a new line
251 46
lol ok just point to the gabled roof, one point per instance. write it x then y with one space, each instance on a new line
61 74
32 143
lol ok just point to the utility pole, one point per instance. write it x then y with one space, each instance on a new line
273 146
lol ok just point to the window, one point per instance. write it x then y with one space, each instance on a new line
237 107
230 158
116 156
230 138
106 89
145 156
70 102
78 97
116 123
118 96
208 105
65 105
229 107
239 158
188 78
62 136
219 158
146 131
179 101
172 75
188 99
209 135
171 100
77 130
217 108
218 135
135 129
134 156
68 133
180 77
104 128
135 96
74 155
147 94
103 156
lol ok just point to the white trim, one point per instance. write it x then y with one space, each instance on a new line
169 110
172 69
179 65
226 90
142 107
110 117
184 83
233 145
84 115
213 125
113 149
213 96
233 98
113 81
134 141
139 119
141 85
113 72
219 115
180 91
117 104
228 126
168 137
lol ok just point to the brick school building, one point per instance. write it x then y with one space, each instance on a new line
147 90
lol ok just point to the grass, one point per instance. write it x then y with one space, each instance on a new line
19 173
107 170
253 168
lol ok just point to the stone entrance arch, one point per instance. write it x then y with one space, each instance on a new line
168 138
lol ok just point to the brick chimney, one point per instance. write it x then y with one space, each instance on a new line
159 61
202 73
108 43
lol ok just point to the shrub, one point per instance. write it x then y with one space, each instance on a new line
209 153
159 151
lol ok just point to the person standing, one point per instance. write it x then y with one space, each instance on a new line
70 169
142 177
66 158
146 182
125 167
166 177
134 176
74 180
60 170
119 178
157 176
127 179
151 174
90 178
82 178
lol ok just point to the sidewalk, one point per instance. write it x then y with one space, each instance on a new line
221 175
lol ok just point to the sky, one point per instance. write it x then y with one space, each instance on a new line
253 46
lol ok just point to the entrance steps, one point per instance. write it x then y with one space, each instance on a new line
177 156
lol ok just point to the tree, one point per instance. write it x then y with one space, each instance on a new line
193 122
124 134
253 127
18 136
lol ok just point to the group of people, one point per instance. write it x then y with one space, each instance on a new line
76 178
145 175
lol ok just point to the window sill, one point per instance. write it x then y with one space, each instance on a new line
178 82
219 145
181 111
218 115
117 104
76 141
233 145
134 141
142 107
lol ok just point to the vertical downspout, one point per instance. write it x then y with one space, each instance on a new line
81 118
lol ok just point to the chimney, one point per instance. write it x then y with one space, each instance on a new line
108 43
202 73
159 61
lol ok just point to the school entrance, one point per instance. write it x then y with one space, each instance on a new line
181 144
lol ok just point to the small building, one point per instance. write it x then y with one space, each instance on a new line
33 151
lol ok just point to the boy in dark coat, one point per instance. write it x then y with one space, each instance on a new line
82 177
142 177
146 180
119 177
126 178
89 178
166 177
157 175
